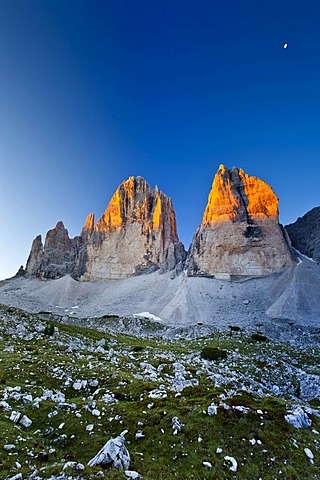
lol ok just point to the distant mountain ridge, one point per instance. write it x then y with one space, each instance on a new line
239 235
304 234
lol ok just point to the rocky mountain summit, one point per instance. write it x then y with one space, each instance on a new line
136 234
305 234
240 234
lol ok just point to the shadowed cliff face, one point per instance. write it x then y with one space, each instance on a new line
136 234
240 234
59 255
305 234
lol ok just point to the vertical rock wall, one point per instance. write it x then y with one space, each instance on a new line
240 233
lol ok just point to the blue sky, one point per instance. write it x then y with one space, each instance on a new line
95 91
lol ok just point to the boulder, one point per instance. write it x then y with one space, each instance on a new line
298 418
113 454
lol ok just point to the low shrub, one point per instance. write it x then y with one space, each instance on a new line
49 329
234 328
213 353
258 337
137 348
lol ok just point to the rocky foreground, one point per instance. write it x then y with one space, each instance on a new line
79 403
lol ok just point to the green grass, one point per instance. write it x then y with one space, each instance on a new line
69 353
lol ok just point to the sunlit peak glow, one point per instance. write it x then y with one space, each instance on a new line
235 194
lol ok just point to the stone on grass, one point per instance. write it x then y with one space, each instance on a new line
113 454
15 416
109 398
177 425
212 409
157 394
132 475
16 477
298 418
77 467
27 398
309 454
79 384
233 461
5 406
25 421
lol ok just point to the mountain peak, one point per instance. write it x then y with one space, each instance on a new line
236 195
88 225
240 233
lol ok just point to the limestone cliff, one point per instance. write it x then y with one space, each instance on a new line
240 233
35 257
59 255
136 234
305 234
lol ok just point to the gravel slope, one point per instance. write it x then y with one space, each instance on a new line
293 295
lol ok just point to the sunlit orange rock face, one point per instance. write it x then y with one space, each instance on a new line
137 233
240 233
136 202
88 226
236 195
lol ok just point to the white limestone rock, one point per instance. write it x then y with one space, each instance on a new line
77 467
212 409
233 461
113 454
25 421
309 454
132 475
177 425
298 418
